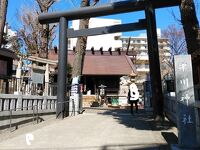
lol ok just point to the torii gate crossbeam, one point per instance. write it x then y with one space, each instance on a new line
104 10
114 8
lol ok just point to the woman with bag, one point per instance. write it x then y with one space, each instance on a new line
133 96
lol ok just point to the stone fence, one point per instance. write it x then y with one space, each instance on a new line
20 110
26 103
170 107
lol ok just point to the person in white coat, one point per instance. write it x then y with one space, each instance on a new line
133 96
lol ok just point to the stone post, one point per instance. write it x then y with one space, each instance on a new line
186 120
18 75
46 92
19 103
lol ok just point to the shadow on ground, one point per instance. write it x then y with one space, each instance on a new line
17 121
111 147
141 121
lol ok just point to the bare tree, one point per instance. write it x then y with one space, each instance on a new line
192 34
3 12
37 38
190 25
81 43
177 45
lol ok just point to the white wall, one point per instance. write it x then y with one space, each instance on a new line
106 41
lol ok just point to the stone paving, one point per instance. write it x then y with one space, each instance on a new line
97 129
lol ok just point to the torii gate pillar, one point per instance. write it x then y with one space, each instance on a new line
154 63
62 69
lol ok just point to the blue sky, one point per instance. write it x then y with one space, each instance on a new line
164 16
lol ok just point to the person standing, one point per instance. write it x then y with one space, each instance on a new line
133 96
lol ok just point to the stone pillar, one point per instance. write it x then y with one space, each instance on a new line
6 104
24 104
18 75
44 104
35 103
19 103
46 92
188 134
1 104
30 104
12 104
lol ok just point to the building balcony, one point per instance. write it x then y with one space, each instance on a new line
142 57
142 69
140 81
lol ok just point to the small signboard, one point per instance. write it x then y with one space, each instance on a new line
187 134
75 103
123 94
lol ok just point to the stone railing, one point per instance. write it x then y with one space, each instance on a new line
170 105
20 110
26 103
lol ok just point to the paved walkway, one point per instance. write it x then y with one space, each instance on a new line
96 130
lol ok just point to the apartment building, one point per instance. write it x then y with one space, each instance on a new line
140 46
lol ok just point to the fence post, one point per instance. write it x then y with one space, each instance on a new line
44 104
30 104
10 119
6 104
34 113
1 104
37 114
19 103
12 104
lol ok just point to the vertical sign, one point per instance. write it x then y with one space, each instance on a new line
186 122
74 103
147 95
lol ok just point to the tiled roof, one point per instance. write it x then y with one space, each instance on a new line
7 53
105 64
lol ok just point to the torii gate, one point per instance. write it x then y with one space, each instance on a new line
149 24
